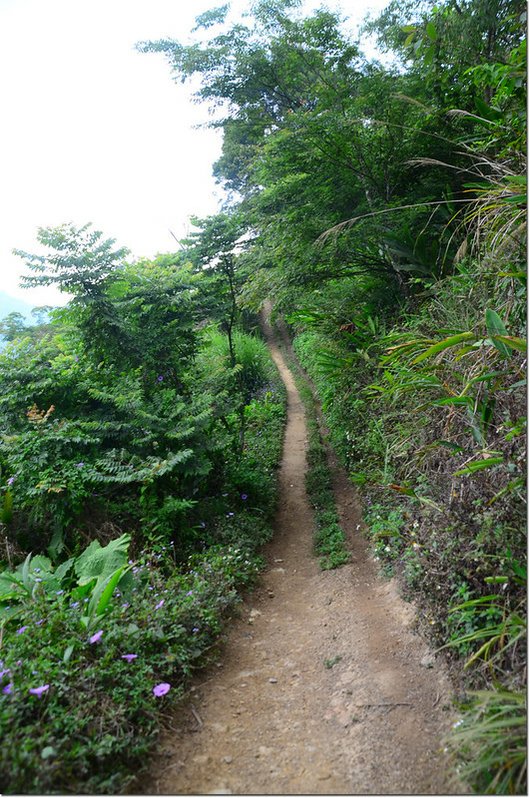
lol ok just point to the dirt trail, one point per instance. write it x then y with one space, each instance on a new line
321 690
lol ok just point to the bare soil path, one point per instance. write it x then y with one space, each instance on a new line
321 690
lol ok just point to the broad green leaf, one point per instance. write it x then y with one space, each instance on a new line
103 592
62 570
493 597
484 377
467 401
448 445
447 343
98 562
514 343
430 29
495 326
478 465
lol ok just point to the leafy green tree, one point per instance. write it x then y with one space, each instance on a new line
12 326
81 263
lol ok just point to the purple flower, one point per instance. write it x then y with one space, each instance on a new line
195 629
97 637
38 623
10 480
161 689
3 673
160 604
8 689
39 690
79 465
59 592
125 605
129 657
244 497
74 604
160 378
189 593
21 630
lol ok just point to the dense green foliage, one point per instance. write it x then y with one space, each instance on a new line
384 212
138 457
382 208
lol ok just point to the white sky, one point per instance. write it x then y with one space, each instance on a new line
93 131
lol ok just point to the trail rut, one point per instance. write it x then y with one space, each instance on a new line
321 689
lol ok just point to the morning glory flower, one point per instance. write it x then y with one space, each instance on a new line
21 630
10 480
129 657
8 689
160 604
161 689
244 497
96 637
39 690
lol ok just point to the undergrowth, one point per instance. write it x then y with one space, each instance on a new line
430 422
329 539
90 665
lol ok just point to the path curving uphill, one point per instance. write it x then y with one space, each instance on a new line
321 690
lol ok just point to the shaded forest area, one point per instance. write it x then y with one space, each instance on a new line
382 208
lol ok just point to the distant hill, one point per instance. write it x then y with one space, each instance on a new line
11 304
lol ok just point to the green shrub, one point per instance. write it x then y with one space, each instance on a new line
95 713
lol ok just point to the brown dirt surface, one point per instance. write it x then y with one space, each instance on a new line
321 690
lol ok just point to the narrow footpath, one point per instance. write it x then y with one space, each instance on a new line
321 689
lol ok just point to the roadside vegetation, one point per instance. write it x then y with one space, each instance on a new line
141 438
329 537
382 207
385 207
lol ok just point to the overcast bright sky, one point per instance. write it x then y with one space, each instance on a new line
93 131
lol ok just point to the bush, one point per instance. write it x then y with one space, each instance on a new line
81 705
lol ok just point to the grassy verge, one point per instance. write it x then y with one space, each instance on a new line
453 537
330 541
83 692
